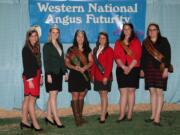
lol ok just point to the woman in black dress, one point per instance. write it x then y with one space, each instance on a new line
79 60
127 53
102 78
155 76
54 70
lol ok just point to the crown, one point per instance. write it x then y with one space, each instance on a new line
54 26
36 28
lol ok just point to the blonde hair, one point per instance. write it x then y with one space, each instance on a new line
49 36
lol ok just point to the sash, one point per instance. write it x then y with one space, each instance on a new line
77 58
100 67
127 50
80 56
156 55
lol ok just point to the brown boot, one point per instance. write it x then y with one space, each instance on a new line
75 109
81 105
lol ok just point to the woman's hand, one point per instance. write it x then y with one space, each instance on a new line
31 85
142 74
125 69
82 69
77 68
49 78
92 79
66 77
105 80
165 73
41 80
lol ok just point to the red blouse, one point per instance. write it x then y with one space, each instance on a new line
135 46
105 58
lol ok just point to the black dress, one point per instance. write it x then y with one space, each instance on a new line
151 67
128 81
54 66
56 84
77 82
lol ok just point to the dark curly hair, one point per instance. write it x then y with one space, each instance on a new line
86 48
36 48
157 27
107 40
133 34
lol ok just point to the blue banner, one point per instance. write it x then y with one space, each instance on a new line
92 16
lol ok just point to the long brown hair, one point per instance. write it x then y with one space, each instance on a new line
133 34
36 48
107 40
158 29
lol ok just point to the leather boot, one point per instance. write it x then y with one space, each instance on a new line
75 109
81 106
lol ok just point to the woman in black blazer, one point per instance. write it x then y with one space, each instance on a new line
155 76
32 79
53 55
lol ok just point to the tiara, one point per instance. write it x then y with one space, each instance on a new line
36 28
54 26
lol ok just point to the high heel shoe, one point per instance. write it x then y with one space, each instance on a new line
23 125
149 120
120 120
106 116
129 119
59 126
102 121
36 129
47 121
157 124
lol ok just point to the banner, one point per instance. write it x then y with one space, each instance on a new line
92 16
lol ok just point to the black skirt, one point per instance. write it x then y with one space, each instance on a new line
99 86
128 81
153 76
56 82
77 82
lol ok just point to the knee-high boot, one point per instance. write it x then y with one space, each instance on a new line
75 109
81 106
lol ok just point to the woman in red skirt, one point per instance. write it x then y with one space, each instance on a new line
32 79
155 77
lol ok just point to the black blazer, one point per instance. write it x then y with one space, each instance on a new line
163 46
30 64
53 62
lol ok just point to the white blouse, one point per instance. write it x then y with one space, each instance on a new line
99 50
58 49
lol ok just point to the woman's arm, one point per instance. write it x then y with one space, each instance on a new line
69 65
90 63
137 52
27 64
